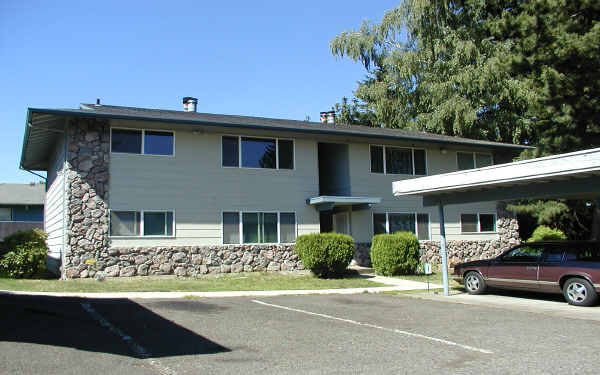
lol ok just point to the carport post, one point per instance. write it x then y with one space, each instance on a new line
443 249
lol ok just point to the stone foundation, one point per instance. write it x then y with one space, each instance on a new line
186 260
507 228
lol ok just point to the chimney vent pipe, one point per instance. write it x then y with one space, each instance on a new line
323 117
189 104
331 117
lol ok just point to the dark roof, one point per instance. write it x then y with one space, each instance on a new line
25 194
235 121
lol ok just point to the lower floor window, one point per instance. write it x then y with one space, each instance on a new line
416 223
473 223
259 227
141 223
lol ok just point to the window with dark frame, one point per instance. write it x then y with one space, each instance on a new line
259 227
470 160
130 223
267 153
477 223
417 223
129 141
398 160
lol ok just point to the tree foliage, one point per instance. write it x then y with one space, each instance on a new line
519 71
511 71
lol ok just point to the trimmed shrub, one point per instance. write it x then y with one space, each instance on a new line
544 233
395 254
24 254
11 241
327 255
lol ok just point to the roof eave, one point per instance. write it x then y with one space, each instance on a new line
277 128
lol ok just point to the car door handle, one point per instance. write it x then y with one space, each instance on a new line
531 268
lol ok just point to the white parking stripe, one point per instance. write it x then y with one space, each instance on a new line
139 350
442 341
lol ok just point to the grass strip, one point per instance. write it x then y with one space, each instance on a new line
210 283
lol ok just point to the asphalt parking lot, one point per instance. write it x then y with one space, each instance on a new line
330 334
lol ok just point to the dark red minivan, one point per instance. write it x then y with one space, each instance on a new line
568 267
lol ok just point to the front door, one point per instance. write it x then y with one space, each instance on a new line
517 268
341 222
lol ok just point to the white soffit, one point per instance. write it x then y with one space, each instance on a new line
546 169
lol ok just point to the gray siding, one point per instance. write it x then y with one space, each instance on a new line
198 189
365 183
54 209
194 185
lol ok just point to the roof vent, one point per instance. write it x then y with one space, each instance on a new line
189 104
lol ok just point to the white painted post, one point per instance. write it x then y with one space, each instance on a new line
443 250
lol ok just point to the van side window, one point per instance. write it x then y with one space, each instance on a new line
552 255
523 254
584 254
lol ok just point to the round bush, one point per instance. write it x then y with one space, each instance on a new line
395 254
23 254
325 254
27 260
544 233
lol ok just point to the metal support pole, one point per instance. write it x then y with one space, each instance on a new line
443 250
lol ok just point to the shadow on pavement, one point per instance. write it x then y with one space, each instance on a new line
62 321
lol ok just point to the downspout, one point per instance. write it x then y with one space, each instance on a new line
65 205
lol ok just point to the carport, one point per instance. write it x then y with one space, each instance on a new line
574 175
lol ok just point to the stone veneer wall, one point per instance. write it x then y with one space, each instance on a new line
507 228
196 260
87 161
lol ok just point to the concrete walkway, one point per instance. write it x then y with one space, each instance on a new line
394 285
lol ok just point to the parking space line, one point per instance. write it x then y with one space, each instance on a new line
393 330
138 349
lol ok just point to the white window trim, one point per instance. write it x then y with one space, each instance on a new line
143 131
276 139
479 222
387 222
141 235
473 155
241 227
412 150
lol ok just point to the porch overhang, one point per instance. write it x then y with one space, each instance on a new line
329 202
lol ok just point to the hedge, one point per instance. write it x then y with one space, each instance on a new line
394 254
327 255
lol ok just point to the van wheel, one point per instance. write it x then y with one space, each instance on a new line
579 292
474 283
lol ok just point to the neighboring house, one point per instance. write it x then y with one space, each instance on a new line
135 191
21 207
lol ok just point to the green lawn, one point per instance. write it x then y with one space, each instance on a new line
209 283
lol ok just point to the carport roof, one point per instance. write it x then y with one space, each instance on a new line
572 175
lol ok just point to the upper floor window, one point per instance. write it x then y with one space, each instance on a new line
417 223
249 152
472 223
149 142
470 160
398 160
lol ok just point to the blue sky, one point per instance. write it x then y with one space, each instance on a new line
259 58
